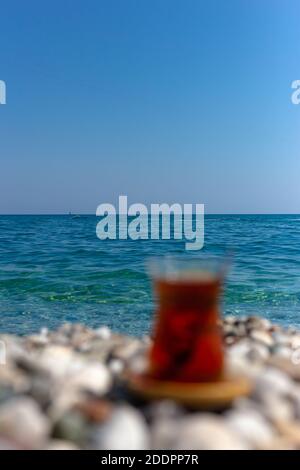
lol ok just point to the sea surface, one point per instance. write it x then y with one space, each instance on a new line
54 269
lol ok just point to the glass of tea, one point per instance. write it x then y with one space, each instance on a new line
187 341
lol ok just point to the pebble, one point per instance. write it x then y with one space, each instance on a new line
146 340
165 409
291 430
94 378
230 319
265 324
7 444
240 330
59 444
207 432
69 388
42 389
240 349
84 347
12 348
44 331
125 430
281 339
72 426
239 365
258 352
128 350
56 360
164 415
257 323
296 403
277 408
116 366
262 337
163 434
65 400
138 364
295 342
282 351
38 340
228 331
103 333
287 366
95 410
280 443
251 426
22 421
273 381
15 379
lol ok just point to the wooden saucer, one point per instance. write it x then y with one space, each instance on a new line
204 395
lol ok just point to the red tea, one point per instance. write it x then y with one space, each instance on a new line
187 340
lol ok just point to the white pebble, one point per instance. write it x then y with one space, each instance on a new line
273 380
265 323
103 332
262 337
116 366
44 331
22 421
59 444
240 349
56 359
230 319
38 340
281 339
125 430
164 434
282 351
241 366
277 408
207 432
251 426
92 377
258 352
295 342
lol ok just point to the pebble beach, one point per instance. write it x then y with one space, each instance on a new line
66 389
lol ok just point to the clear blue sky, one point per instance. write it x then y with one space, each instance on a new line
162 100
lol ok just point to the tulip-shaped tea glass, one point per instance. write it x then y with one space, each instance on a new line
187 341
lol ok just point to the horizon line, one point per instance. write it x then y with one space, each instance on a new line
93 214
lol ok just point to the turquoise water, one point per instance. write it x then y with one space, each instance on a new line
54 269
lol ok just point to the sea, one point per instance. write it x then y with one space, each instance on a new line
54 269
